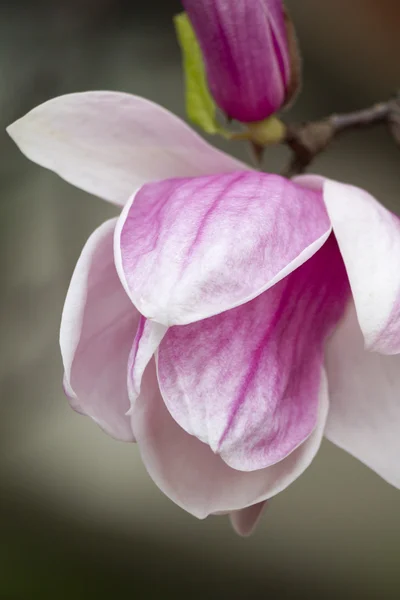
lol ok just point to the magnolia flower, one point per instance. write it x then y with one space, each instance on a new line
246 53
228 319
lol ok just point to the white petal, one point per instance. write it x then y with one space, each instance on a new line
148 338
110 143
97 331
364 391
244 521
369 240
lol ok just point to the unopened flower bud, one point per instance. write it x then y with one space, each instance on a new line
246 52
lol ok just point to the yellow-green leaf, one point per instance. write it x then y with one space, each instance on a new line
200 106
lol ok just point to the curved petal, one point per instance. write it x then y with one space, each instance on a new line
97 330
246 382
369 239
364 392
148 337
244 521
195 478
310 181
110 143
192 248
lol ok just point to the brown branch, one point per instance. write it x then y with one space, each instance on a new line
308 140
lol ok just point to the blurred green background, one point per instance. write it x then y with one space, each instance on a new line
79 516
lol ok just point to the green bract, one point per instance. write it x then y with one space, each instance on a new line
200 106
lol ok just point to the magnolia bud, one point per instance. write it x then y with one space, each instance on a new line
246 53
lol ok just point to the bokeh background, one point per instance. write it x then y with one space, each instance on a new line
79 517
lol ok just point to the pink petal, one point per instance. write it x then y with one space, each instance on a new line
364 390
244 521
148 337
110 143
247 382
195 478
187 249
369 240
97 330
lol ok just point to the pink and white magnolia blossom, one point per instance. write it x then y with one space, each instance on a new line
228 319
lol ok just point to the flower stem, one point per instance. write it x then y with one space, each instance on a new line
308 140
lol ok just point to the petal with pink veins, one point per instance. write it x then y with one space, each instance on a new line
195 478
98 327
369 239
110 143
245 49
246 382
188 249
364 392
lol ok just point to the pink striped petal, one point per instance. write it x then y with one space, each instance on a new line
110 143
244 521
246 54
364 391
97 330
369 240
246 382
192 248
195 478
